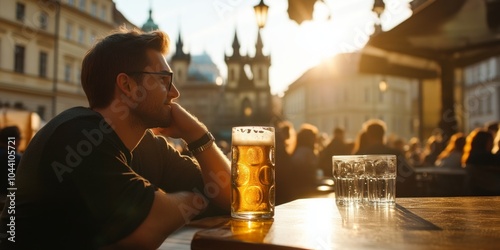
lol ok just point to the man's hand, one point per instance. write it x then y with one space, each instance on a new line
184 125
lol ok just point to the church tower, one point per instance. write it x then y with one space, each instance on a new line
150 25
180 63
260 70
247 96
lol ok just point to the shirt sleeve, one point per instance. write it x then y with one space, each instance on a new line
156 160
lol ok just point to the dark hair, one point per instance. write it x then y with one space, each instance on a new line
121 52
307 136
375 129
456 143
10 131
476 143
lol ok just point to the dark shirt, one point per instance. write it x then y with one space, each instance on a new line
166 168
485 159
335 147
405 181
75 187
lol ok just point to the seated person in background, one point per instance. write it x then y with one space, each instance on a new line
304 160
361 142
433 147
414 153
492 127
375 132
76 184
483 167
451 156
337 146
283 168
478 147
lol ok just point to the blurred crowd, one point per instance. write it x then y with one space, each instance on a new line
304 155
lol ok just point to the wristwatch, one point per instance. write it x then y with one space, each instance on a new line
201 144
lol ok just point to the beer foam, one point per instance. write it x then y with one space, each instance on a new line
253 141
253 136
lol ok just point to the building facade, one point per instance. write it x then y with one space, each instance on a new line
481 83
333 94
42 44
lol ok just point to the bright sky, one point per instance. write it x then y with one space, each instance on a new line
210 26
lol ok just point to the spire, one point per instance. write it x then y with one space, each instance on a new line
259 55
236 45
179 45
179 53
258 46
150 25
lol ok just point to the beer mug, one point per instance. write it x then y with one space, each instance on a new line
252 172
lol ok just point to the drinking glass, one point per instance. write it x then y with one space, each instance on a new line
380 172
349 179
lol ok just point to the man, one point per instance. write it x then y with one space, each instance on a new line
76 187
337 146
375 144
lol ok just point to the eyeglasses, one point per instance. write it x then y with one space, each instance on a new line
166 76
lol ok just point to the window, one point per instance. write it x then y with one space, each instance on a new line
492 65
480 106
79 76
67 72
92 37
19 59
93 9
20 11
44 20
41 111
69 31
82 4
103 12
81 35
231 75
259 74
71 2
489 103
42 67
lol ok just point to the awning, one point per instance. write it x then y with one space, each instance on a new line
440 36
461 31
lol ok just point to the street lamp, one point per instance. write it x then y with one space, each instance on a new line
378 7
261 13
382 85
382 88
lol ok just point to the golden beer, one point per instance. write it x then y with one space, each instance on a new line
252 173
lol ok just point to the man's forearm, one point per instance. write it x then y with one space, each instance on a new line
216 172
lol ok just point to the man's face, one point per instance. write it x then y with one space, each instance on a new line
153 95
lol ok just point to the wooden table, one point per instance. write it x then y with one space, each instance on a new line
318 223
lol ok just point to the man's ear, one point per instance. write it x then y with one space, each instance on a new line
124 83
